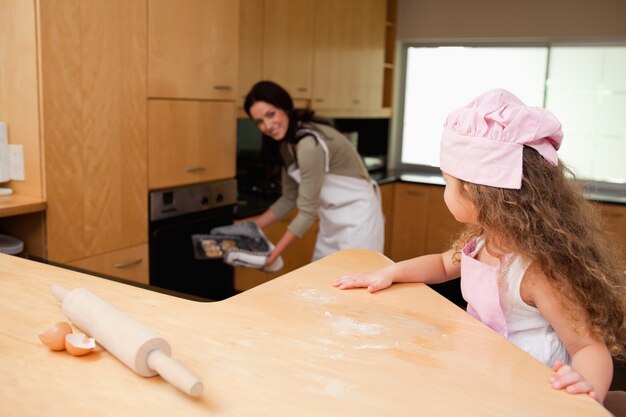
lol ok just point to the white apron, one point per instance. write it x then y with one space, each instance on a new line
350 211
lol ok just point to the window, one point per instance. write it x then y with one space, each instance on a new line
441 79
583 86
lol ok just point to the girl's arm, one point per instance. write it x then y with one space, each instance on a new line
429 269
591 370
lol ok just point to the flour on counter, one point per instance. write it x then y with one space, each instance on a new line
314 295
360 347
329 386
347 326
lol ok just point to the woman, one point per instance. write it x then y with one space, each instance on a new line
322 175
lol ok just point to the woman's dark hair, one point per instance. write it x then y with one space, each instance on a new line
277 96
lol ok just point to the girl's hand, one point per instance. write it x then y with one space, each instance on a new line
374 281
565 377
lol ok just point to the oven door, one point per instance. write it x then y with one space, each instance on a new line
172 262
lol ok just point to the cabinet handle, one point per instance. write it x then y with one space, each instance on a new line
193 170
319 100
356 101
127 264
222 87
302 89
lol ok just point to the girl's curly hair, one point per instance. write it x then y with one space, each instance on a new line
550 223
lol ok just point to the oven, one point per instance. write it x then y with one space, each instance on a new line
175 215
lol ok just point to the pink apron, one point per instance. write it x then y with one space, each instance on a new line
479 285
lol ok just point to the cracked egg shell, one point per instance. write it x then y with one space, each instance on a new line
78 344
54 337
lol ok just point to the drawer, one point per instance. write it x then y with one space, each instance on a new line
130 263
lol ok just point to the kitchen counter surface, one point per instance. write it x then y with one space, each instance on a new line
294 346
255 205
16 204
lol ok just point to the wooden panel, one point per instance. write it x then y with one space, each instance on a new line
62 110
288 44
190 142
114 124
130 264
297 255
614 217
442 226
387 192
193 48
250 46
95 130
349 54
368 50
19 106
333 68
410 221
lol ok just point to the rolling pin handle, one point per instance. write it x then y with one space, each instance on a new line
59 292
174 373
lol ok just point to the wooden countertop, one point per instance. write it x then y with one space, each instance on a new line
17 204
295 346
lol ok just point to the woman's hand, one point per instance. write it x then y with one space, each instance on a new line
271 258
374 281
565 377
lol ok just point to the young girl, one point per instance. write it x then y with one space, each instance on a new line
534 262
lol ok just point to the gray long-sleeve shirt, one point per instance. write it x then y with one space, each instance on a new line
310 158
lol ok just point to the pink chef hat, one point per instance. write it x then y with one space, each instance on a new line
483 141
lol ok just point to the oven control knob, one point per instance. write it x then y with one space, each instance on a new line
204 202
219 198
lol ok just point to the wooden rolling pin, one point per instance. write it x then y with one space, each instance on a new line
138 347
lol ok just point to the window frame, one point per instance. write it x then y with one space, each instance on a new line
395 163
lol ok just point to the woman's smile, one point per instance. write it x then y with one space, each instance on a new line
271 120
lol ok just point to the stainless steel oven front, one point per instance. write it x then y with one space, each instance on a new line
175 215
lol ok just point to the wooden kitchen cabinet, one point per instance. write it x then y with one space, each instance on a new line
190 142
421 222
349 55
297 255
614 218
193 49
93 110
328 54
288 27
130 263
250 46
387 192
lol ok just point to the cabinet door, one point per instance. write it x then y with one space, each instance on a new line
193 48
250 46
349 55
442 228
410 220
93 77
333 69
190 142
387 192
368 54
129 263
288 44
614 217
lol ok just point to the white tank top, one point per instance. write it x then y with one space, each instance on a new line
527 328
